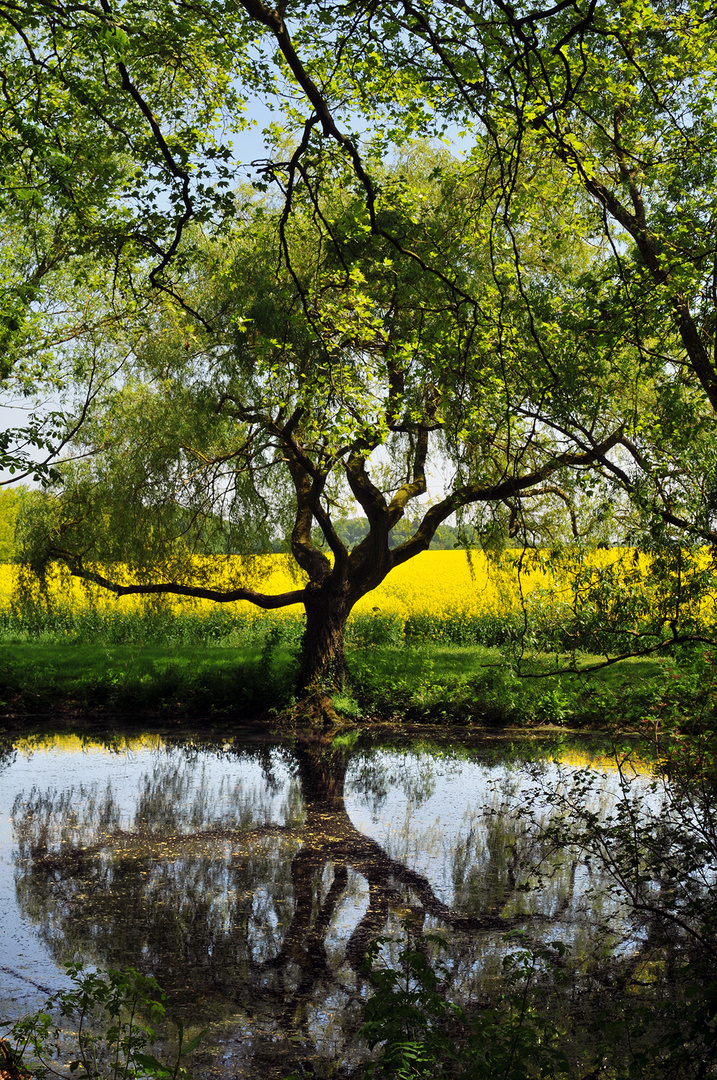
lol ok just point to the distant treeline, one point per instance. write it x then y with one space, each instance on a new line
218 539
353 530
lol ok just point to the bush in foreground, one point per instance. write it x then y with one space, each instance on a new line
105 1024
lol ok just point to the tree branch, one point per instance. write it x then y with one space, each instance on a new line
510 487
262 600
413 488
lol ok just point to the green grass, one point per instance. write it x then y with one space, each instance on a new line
443 684
39 676
221 664
453 663
460 684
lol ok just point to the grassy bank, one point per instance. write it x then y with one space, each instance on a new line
428 681
460 651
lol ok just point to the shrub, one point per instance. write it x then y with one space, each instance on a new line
113 1014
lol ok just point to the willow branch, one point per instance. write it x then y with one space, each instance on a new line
510 487
415 487
368 496
220 596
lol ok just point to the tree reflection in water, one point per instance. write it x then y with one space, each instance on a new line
253 905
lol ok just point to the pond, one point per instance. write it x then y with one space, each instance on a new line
250 876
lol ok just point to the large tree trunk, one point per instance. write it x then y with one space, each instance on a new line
323 663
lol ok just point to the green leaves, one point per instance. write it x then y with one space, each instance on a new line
405 1016
420 1033
115 1012
116 40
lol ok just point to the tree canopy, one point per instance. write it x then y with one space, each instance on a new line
533 316
109 142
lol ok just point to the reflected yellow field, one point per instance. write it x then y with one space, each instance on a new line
67 743
573 758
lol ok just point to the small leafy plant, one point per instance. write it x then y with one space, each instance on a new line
407 1016
421 1035
113 1015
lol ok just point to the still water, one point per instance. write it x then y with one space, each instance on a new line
250 877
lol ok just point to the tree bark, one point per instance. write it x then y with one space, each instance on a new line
323 661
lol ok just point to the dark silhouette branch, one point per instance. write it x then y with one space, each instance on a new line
507 488
197 592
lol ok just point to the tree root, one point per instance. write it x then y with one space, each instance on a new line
314 716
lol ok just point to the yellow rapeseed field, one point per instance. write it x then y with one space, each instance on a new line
441 584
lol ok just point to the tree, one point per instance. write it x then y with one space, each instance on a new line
538 313
619 98
9 506
328 381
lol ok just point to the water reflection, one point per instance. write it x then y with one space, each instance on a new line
250 880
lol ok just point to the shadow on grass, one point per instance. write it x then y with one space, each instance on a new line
42 677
